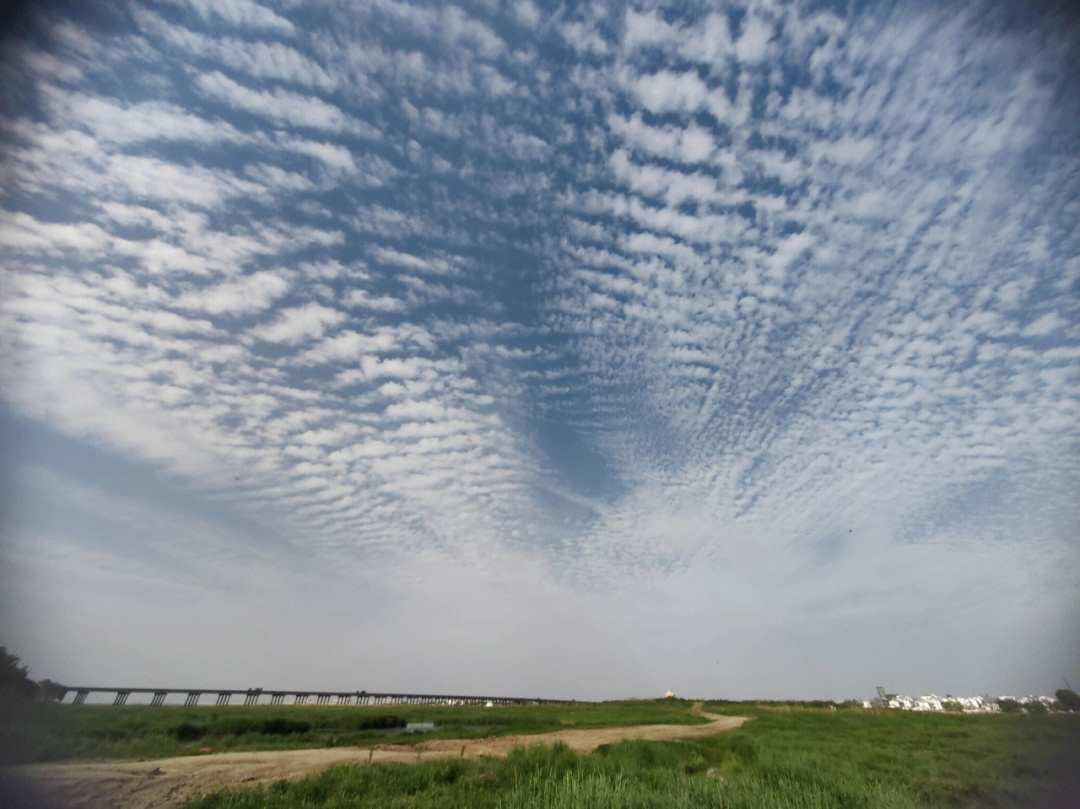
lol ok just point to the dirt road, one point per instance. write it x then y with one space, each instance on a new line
168 782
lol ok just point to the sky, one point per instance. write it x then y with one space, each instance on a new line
576 351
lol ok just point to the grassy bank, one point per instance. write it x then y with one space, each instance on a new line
50 732
811 759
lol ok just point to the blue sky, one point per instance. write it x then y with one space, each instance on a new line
580 351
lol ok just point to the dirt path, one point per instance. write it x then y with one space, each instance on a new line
168 782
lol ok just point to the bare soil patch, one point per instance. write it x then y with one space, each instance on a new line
168 782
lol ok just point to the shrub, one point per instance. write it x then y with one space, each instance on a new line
361 722
1068 698
14 680
186 731
381 722
283 727
231 727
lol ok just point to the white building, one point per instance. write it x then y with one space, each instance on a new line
932 702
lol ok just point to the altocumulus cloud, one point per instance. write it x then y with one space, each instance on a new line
729 348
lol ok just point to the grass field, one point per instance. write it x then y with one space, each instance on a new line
50 732
783 758
787 756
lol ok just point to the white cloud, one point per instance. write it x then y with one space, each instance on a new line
753 42
787 250
470 31
246 295
409 261
278 105
666 91
1043 326
782 330
255 59
334 156
111 121
648 28
299 323
152 179
242 13
361 299
684 144
349 346
706 41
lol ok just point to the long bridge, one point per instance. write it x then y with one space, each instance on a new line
252 696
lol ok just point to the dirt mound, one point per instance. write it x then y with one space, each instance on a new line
169 782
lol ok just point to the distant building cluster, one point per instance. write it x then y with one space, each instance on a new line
985 704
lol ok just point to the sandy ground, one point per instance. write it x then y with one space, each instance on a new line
168 782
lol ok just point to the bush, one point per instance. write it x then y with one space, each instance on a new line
381 722
1068 698
231 727
14 679
50 691
186 732
282 727
1009 706
358 721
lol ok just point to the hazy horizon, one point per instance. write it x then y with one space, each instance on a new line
578 352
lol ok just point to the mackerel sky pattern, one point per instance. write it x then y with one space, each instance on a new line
590 338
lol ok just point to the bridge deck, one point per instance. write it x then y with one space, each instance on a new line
299 697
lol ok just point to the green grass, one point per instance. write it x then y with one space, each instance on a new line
50 732
802 759
790 755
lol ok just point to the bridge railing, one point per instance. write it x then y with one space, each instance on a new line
252 696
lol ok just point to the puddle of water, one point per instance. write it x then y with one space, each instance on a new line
411 727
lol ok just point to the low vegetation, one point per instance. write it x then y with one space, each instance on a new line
784 758
45 731
811 755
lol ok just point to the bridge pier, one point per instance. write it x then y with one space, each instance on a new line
276 697
158 698
252 696
121 698
223 698
300 699
192 699
80 697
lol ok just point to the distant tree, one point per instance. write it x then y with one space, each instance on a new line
1068 698
50 691
1009 706
14 679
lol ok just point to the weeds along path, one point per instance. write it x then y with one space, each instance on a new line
168 782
